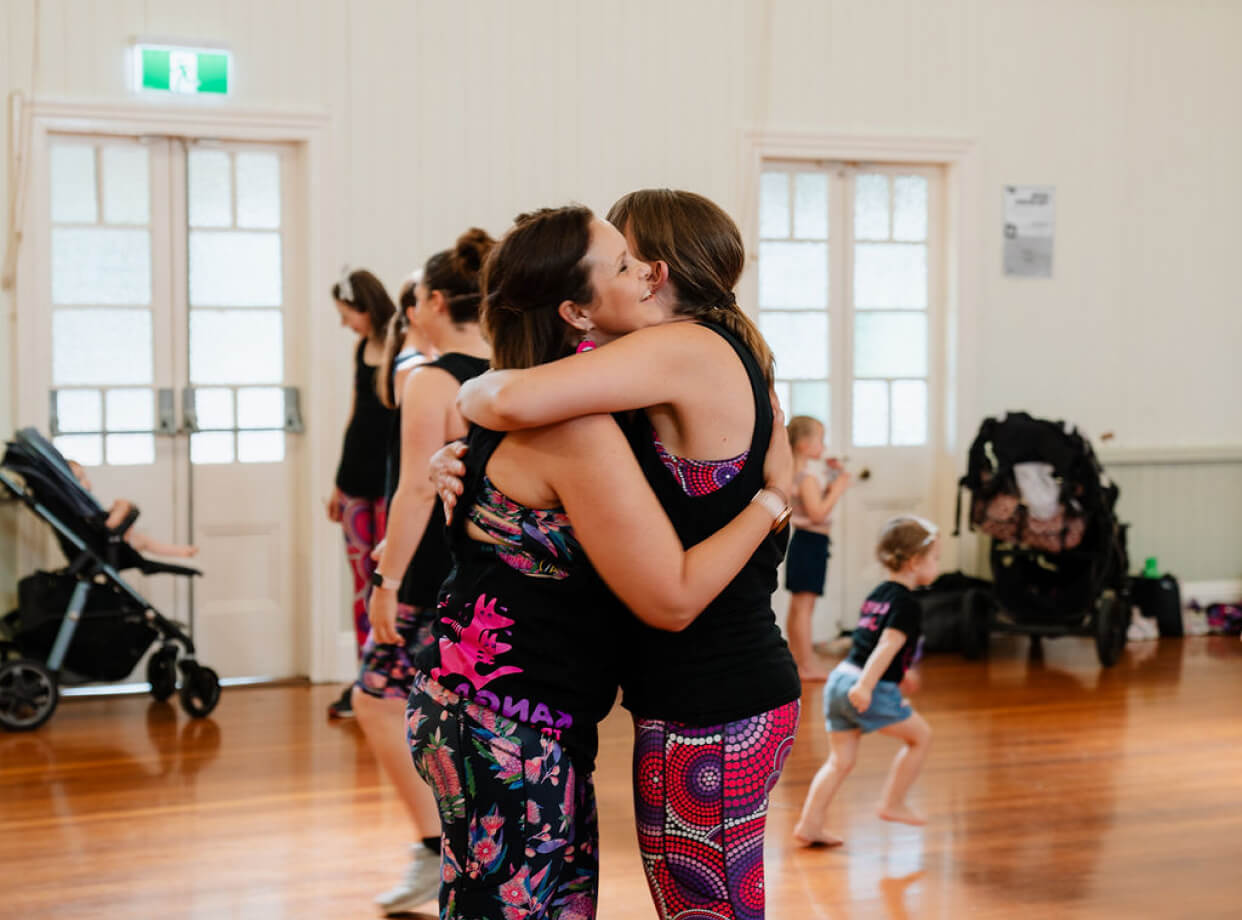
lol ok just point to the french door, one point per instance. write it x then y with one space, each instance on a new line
851 292
172 372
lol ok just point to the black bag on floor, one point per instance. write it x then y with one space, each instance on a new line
1159 599
944 612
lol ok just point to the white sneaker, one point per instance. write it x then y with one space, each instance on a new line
421 883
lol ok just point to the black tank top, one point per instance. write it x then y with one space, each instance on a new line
539 650
732 662
431 561
362 470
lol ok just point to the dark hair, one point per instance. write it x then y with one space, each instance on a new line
703 249
905 538
540 263
398 326
367 295
455 272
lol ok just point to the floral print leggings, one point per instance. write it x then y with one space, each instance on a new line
701 803
520 835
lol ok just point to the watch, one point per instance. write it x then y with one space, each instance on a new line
776 505
388 584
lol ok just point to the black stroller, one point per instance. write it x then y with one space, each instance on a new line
83 622
1058 552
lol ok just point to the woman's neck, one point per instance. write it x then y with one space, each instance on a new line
466 340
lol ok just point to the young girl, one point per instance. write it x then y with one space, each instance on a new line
806 567
863 693
357 501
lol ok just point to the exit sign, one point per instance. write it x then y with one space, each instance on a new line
185 71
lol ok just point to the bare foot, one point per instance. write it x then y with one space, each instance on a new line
815 676
815 838
902 814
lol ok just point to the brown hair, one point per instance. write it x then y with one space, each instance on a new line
398 326
367 295
540 263
703 249
802 426
905 538
455 272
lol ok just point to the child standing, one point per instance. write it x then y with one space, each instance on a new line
864 692
806 567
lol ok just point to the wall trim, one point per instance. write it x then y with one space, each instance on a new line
1170 456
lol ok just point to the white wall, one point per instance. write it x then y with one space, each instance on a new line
448 113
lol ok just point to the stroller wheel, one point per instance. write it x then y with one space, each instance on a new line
162 672
200 689
976 624
1112 619
28 695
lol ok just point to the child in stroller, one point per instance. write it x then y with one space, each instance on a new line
120 509
85 622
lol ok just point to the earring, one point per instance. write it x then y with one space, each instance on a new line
585 345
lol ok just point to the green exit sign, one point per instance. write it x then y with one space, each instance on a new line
185 71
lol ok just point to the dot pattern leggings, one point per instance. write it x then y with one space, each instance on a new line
701 804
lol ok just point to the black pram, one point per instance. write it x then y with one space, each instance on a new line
1058 552
84 622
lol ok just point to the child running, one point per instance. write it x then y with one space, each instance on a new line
864 692
806 567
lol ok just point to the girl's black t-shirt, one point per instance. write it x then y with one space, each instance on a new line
362 472
732 662
431 561
891 605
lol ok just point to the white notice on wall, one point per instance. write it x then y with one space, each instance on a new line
1029 227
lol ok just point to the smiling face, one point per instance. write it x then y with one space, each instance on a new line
623 299
356 320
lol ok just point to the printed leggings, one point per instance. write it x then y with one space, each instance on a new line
363 521
701 805
519 832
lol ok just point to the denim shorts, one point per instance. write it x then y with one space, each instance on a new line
887 706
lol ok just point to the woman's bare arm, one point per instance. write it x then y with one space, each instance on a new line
649 367
627 535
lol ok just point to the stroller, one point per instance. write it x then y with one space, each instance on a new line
1058 552
83 622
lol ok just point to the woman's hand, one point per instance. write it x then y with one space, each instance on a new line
445 473
778 465
860 694
336 505
383 613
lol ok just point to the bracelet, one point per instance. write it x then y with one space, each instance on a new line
388 584
776 504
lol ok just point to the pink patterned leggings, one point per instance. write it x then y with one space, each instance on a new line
363 521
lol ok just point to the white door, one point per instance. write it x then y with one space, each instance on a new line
849 297
172 371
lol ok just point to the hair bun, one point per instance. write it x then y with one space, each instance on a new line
471 251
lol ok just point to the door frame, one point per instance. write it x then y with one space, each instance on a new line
956 366
319 582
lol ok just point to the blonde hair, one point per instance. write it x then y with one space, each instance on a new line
903 539
802 426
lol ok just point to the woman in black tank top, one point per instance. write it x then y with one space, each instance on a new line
715 706
358 501
503 717
414 559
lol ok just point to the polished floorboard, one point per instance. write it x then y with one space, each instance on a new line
1053 790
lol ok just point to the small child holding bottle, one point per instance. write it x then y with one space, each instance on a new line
864 692
806 567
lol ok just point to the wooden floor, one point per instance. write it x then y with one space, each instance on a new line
1055 790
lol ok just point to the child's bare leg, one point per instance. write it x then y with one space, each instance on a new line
144 544
916 734
801 606
809 830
